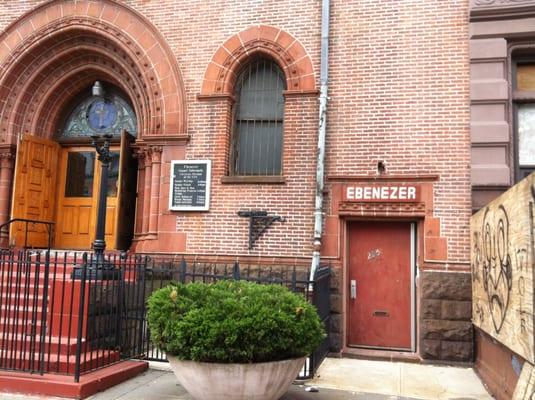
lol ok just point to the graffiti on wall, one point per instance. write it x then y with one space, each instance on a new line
502 268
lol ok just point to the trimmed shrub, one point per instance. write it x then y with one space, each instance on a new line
233 322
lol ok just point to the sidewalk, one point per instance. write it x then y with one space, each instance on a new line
337 379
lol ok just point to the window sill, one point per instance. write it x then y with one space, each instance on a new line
260 179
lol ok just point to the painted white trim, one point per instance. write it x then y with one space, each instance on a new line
206 205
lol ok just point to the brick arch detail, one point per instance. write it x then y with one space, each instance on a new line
98 39
235 52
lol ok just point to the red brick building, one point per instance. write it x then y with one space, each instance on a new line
397 164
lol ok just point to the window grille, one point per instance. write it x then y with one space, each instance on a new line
258 120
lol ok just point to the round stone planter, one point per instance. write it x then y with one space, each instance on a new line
259 381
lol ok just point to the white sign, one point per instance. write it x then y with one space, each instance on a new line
384 193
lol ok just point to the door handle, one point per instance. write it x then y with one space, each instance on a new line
353 289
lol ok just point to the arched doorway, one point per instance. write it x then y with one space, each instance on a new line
66 50
57 179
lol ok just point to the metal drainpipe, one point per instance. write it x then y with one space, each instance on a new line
322 128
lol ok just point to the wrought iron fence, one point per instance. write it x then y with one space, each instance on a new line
161 271
59 314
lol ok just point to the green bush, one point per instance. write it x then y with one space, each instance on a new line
233 322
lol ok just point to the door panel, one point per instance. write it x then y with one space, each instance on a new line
34 189
76 200
380 265
126 201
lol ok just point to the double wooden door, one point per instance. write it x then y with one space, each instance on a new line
61 185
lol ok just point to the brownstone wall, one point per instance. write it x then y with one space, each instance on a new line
446 331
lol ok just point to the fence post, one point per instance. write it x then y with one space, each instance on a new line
294 280
44 308
236 271
183 269
80 320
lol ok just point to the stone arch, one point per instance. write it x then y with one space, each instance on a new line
54 51
269 41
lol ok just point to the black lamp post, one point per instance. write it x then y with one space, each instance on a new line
104 156
97 267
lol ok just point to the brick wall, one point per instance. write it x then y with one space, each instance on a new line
399 93
399 82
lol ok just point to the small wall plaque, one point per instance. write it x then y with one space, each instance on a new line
190 185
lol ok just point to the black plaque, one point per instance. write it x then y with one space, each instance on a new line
190 185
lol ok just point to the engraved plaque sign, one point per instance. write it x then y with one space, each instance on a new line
190 185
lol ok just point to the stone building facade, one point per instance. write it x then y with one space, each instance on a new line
397 150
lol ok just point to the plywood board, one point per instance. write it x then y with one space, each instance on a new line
525 388
502 268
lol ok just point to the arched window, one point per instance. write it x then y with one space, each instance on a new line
106 113
258 120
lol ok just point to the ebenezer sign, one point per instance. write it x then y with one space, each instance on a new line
190 185
382 193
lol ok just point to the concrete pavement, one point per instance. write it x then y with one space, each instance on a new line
337 379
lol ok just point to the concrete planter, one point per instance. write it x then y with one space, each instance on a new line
259 381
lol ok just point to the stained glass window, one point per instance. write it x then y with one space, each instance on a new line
110 114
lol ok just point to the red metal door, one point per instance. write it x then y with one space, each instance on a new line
380 268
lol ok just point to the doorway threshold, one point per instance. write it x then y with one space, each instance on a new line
380 354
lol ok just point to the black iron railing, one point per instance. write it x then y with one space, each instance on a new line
53 322
49 226
57 315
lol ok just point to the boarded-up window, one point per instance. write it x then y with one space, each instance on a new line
258 120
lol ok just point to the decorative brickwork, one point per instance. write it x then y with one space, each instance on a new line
263 40
61 47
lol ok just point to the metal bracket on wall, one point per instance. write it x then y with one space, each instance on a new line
259 221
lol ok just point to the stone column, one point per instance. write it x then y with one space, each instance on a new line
147 194
140 155
155 190
7 158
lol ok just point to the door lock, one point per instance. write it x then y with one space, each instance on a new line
353 289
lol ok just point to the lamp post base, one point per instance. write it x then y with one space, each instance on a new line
97 268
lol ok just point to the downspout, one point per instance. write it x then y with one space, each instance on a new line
322 128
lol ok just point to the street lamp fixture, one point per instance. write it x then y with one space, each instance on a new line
97 267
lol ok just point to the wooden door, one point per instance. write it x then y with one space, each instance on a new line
380 272
34 190
126 200
77 198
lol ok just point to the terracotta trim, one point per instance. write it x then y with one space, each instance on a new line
301 93
264 40
216 96
163 139
271 179
387 210
53 21
383 178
